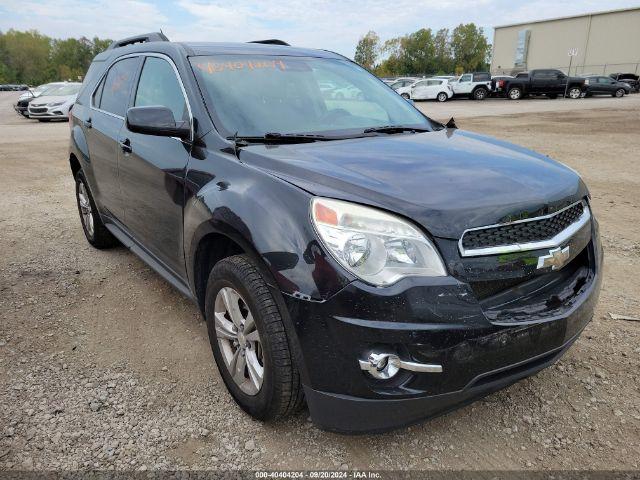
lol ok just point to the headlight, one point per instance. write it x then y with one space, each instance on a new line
375 246
55 104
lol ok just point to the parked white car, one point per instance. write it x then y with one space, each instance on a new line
349 92
428 89
54 103
476 86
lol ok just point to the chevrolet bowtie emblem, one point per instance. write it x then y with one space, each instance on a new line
556 259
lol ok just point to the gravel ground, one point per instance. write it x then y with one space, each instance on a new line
104 366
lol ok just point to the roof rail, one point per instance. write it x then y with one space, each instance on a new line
271 41
144 38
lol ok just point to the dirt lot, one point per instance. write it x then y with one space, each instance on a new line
103 365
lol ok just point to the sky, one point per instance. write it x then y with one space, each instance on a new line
329 24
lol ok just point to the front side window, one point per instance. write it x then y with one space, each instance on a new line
252 95
117 85
158 86
465 78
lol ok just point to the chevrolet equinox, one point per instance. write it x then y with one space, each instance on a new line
350 253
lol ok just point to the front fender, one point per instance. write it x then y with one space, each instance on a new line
266 216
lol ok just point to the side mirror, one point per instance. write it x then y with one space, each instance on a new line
157 121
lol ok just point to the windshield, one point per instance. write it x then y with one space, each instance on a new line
253 95
62 90
41 88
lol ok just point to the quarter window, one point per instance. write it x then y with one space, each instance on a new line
159 86
97 95
117 85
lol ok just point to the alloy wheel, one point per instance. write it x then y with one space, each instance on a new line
514 94
239 340
619 92
574 93
480 94
442 97
85 209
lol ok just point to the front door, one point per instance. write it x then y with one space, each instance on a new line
152 168
463 86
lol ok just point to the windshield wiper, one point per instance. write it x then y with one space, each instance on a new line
394 129
275 137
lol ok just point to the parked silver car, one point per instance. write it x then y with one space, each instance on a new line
54 103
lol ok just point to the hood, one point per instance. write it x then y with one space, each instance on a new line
43 100
447 180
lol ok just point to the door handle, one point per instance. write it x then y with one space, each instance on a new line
87 123
125 145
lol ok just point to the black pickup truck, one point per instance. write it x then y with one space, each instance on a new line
540 82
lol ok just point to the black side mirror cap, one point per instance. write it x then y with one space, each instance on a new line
157 121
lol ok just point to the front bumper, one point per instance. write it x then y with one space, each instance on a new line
429 321
49 112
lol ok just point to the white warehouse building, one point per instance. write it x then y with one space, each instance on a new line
601 42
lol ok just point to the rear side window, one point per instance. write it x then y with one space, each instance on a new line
158 86
482 77
117 85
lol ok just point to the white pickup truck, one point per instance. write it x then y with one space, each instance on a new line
476 86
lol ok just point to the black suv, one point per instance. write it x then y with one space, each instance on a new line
352 252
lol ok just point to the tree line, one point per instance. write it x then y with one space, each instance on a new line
33 59
464 49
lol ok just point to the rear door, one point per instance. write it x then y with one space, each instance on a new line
106 117
152 168
542 81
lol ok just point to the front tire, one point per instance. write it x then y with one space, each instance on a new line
249 340
94 230
515 93
442 97
619 93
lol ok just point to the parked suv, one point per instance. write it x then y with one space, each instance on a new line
353 253
552 83
601 85
476 86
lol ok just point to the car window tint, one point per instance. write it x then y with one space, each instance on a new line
482 77
465 78
158 86
115 93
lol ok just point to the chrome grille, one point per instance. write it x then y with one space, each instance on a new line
529 234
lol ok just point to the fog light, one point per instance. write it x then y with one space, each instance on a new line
383 366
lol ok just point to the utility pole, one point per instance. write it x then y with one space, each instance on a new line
572 53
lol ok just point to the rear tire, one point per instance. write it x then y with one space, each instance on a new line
515 93
263 379
574 93
480 93
94 230
442 97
